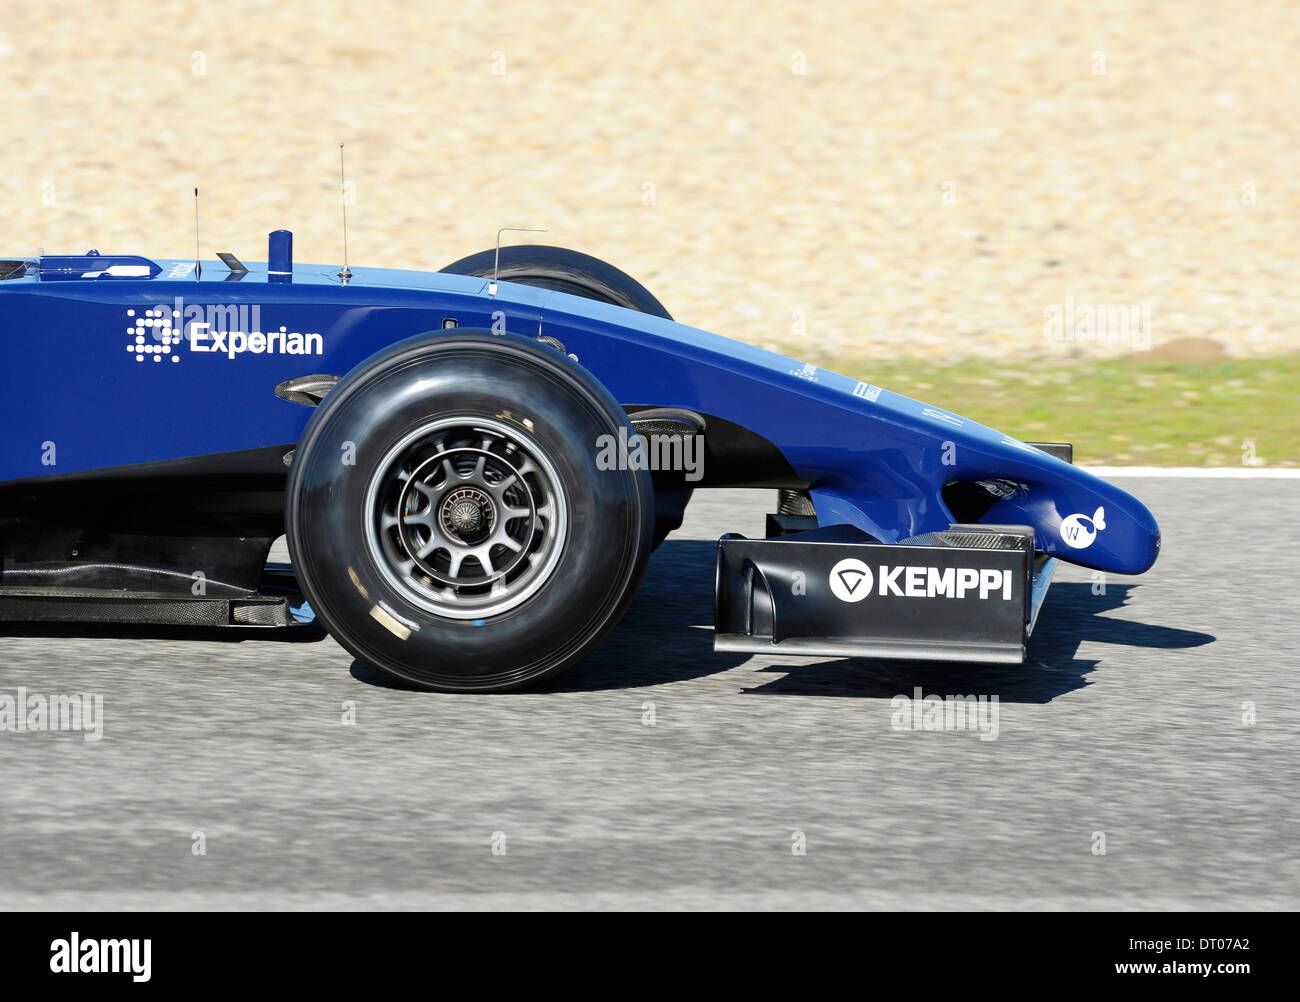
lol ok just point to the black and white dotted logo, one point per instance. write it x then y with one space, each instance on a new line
153 335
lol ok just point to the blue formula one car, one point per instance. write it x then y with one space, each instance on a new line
472 468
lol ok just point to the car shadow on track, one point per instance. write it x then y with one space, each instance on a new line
661 640
1071 615
667 636
297 634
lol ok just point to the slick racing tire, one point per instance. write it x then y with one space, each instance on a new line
563 271
447 518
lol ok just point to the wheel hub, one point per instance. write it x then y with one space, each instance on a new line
468 515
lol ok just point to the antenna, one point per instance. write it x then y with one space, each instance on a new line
346 274
198 268
496 260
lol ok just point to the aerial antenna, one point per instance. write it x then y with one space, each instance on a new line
346 274
198 268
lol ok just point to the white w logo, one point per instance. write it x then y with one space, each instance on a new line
1079 531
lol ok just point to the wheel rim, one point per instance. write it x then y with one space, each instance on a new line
466 517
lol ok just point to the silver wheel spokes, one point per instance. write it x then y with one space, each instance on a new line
468 519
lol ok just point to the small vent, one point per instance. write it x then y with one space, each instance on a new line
794 503
308 390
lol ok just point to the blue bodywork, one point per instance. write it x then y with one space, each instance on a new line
95 379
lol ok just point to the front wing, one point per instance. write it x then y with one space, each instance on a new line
971 593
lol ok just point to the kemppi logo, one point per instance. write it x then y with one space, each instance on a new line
852 580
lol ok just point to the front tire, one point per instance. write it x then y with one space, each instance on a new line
448 520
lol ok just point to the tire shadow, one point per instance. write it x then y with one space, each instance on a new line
667 633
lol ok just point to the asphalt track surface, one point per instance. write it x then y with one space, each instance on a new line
1127 720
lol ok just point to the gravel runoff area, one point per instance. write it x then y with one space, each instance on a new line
892 178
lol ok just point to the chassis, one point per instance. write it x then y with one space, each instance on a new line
473 465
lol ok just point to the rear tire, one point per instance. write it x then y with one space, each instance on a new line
447 519
564 271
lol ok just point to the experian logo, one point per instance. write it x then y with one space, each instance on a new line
212 328
232 343
851 580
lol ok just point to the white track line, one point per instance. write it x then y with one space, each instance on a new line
1197 472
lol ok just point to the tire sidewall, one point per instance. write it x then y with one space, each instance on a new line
562 411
